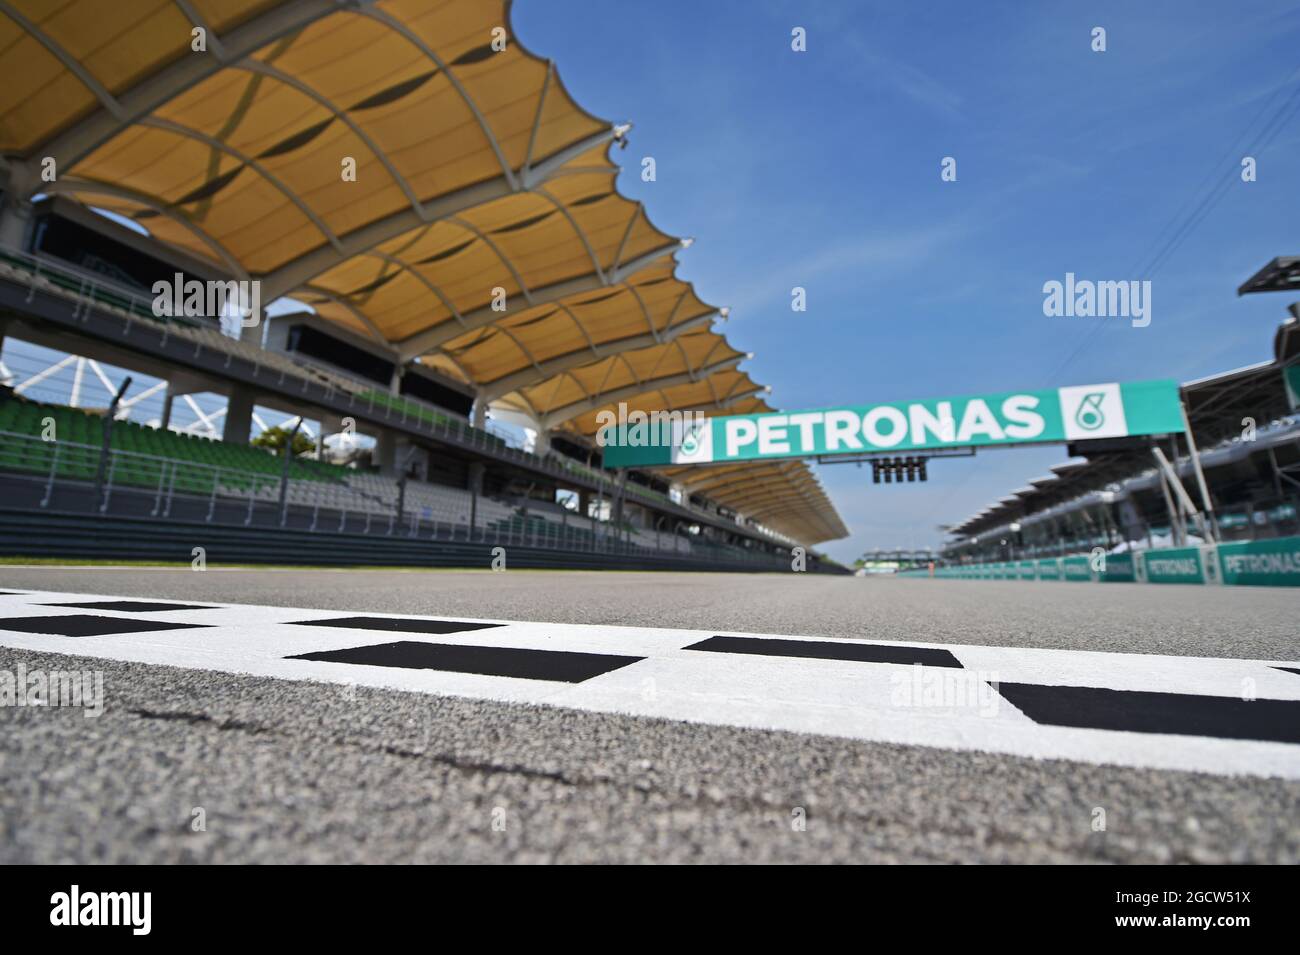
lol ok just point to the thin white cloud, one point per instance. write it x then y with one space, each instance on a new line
912 82
881 249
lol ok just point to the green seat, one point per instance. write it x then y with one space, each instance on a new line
80 436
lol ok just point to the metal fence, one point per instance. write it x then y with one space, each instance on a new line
71 477
93 292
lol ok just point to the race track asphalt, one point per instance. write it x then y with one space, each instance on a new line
304 772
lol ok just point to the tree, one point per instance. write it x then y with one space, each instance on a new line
274 438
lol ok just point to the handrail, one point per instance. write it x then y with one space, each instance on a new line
394 407
164 480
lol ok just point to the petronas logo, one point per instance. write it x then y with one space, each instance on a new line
1089 416
691 441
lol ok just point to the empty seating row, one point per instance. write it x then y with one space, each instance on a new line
193 461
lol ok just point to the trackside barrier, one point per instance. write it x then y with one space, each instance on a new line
1076 568
1270 563
1177 565
1118 567
1266 563
25 533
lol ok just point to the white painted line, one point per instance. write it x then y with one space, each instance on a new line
949 707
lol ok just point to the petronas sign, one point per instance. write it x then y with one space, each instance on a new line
1057 415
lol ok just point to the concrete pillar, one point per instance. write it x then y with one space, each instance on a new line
329 424
169 396
681 492
181 383
15 209
476 471
386 452
618 494
239 417
542 443
479 414
418 464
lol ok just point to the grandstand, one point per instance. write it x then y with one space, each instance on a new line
1119 497
420 293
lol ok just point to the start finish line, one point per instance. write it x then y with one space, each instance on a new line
1080 412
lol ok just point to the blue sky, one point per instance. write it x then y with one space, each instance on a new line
821 170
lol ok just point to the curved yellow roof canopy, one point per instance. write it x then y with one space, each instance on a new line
493 262
651 307
729 391
394 165
689 358
782 495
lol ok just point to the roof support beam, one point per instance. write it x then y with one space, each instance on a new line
266 69
732 396
84 137
627 232
523 349
400 28
419 277
352 310
501 256
766 500
577 230
586 356
792 522
705 477
721 405
537 117
685 474
195 18
770 496
645 312
70 62
72 185
708 408
577 324
299 271
755 488
709 483
561 415
251 163
440 334
306 267
548 167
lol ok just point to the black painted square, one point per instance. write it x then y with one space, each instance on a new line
87 625
129 606
1139 711
555 665
830 650
396 624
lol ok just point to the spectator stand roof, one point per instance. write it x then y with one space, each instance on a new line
482 233
1216 407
